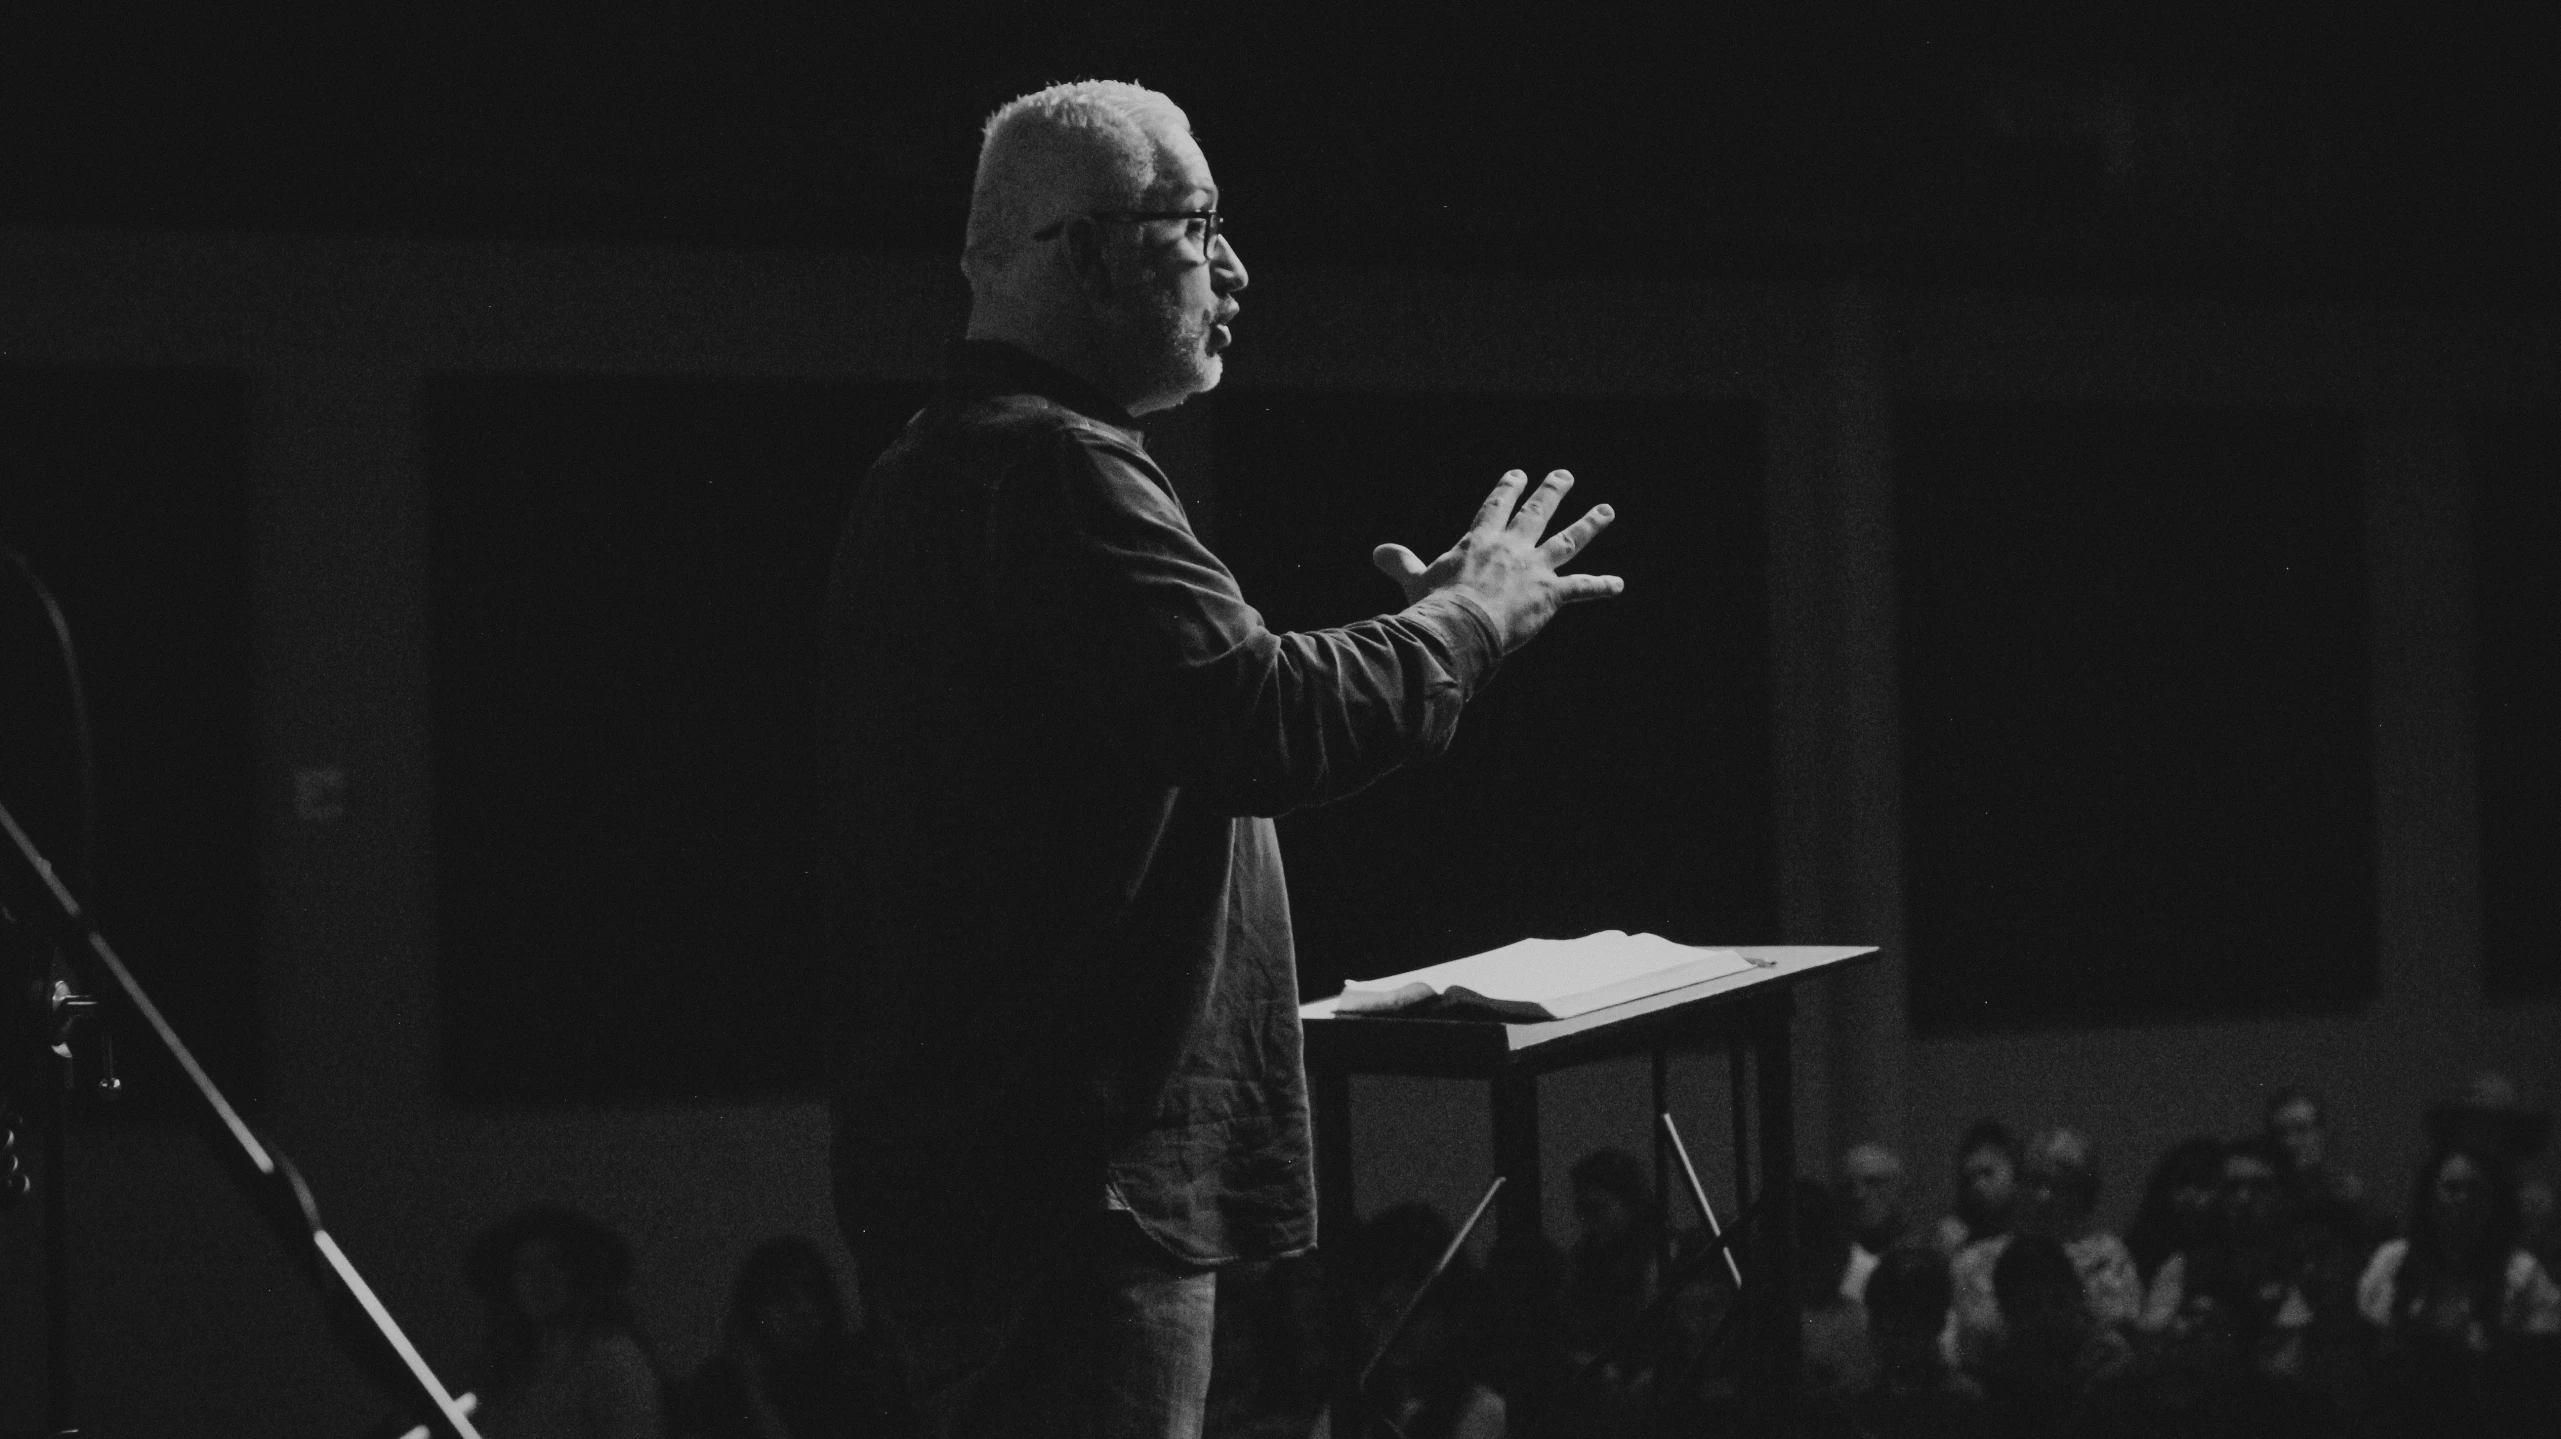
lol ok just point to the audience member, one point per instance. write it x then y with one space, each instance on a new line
2299 1135
1839 1359
2177 1213
1428 1382
2471 1322
1872 1204
2226 1319
2539 1223
2058 1198
2330 1227
1987 1173
563 1361
789 1365
1522 1290
1916 1395
2458 1275
2052 1370
1692 1391
2490 1121
1610 1272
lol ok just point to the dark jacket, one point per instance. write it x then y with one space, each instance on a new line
1060 733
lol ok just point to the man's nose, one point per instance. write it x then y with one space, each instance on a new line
1227 268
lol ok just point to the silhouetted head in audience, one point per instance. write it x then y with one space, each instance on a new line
2037 1287
2295 1126
1611 1200
2452 1283
785 1300
2046 1350
2253 1191
1987 1178
2180 1201
2059 1184
2490 1121
1907 1301
2463 1212
547 1268
1872 1196
1396 1251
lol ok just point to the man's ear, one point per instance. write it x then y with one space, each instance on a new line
1087 265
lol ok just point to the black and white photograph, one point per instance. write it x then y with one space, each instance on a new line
992 720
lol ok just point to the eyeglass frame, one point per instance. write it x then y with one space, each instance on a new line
1209 218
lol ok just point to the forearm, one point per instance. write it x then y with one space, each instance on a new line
1308 718
1146 636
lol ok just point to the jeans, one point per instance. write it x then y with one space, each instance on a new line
1107 1339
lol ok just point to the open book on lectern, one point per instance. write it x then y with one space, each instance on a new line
1543 979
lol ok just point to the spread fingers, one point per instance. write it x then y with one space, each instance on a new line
1532 518
1498 505
1574 538
1570 588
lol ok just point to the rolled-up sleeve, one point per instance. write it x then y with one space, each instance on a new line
1095 566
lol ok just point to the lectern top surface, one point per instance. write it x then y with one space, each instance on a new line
1390 1044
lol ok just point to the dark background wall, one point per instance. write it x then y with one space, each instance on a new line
1617 782
2518 609
128 491
2261 148
625 575
2135 714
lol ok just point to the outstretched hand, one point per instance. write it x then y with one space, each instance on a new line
1503 565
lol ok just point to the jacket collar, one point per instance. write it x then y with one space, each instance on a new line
995 367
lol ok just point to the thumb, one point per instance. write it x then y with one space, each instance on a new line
1397 563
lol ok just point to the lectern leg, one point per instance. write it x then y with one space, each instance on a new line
1516 1158
1662 1076
1330 1095
1739 1088
1771 1298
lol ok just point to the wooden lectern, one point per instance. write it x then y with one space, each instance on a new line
1749 1012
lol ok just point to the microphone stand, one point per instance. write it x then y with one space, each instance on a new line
37 1076
275 1189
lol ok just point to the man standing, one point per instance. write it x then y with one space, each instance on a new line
1072 1085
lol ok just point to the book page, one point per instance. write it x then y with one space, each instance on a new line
1540 970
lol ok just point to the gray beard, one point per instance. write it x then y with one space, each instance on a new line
1175 343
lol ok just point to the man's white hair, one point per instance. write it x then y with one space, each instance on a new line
1056 153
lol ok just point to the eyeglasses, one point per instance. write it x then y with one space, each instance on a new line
1203 227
